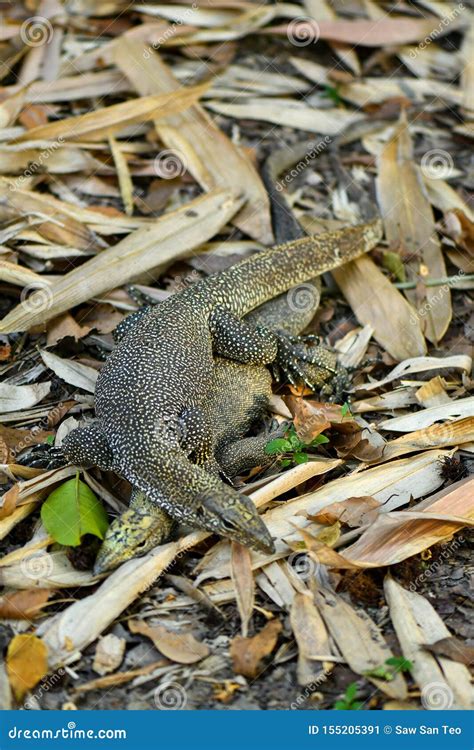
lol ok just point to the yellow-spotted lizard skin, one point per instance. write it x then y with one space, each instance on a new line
151 425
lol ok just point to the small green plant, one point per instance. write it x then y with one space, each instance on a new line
348 702
332 93
345 410
291 449
391 667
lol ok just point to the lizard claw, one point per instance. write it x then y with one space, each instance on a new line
298 361
43 456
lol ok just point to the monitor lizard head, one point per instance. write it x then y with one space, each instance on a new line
135 532
145 525
233 515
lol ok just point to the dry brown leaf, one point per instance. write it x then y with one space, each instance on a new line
248 653
360 442
432 393
444 683
436 436
23 605
27 663
63 326
309 420
376 302
101 121
308 414
205 150
119 678
354 512
384 32
397 535
243 580
182 648
453 648
359 640
167 238
310 634
410 230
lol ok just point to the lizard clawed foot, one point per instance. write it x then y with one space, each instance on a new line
43 456
298 361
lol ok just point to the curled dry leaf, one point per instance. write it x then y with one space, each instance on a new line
309 418
27 663
397 535
182 648
248 653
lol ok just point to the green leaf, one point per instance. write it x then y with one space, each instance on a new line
278 445
331 93
50 440
400 663
300 458
71 511
382 673
351 691
345 409
341 706
294 440
394 264
319 440
286 462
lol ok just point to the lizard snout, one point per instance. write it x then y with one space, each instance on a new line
236 518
